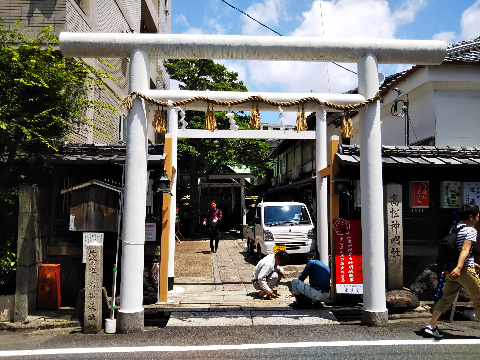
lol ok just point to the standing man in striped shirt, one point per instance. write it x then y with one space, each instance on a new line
465 274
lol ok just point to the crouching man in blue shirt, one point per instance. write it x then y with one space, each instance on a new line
318 288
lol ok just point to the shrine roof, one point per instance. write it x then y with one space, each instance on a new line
100 154
415 155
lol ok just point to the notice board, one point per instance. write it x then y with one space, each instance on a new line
348 256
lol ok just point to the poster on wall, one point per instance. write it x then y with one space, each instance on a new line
450 194
471 193
419 194
150 231
348 256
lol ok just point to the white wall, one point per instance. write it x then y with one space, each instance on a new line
444 103
457 118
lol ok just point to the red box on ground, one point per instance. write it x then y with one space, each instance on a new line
48 287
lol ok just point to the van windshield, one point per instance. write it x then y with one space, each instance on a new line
286 214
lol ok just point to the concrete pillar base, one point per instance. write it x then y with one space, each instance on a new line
374 318
130 322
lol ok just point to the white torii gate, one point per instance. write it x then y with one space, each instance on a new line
367 53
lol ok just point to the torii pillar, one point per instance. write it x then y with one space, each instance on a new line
131 314
374 311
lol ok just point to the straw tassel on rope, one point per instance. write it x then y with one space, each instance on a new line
127 102
347 128
255 122
161 121
301 121
210 122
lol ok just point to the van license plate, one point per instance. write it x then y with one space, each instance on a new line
278 248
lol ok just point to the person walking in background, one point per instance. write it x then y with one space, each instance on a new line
465 273
212 219
268 273
318 288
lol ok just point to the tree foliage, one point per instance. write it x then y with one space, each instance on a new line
210 156
45 96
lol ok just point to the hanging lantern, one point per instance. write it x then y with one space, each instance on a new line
340 185
162 184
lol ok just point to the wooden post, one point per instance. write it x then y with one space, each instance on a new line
334 212
331 171
164 242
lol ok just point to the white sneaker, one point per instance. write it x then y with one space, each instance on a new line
434 332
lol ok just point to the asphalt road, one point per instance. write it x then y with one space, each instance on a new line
348 340
344 340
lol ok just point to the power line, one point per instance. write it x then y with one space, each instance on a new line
276 32
244 13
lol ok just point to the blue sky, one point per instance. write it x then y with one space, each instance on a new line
448 20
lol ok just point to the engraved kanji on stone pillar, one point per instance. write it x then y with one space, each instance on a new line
93 289
394 235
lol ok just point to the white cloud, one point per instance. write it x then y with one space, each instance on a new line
181 19
267 12
194 30
347 18
237 66
448 36
470 21
336 18
407 11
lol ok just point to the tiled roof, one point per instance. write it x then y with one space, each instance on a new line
415 156
103 154
464 51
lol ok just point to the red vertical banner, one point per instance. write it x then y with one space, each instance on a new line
419 194
348 256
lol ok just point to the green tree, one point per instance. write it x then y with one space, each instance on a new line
208 156
45 97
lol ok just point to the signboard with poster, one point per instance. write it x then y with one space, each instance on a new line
451 194
419 194
348 256
471 193
150 231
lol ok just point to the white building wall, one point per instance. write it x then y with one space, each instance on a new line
109 16
444 103
457 118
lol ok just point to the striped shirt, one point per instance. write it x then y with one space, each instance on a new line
467 233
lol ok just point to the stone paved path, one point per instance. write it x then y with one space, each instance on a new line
226 297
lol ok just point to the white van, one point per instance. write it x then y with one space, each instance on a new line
281 225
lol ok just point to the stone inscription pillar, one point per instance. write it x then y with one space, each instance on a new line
93 288
394 235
